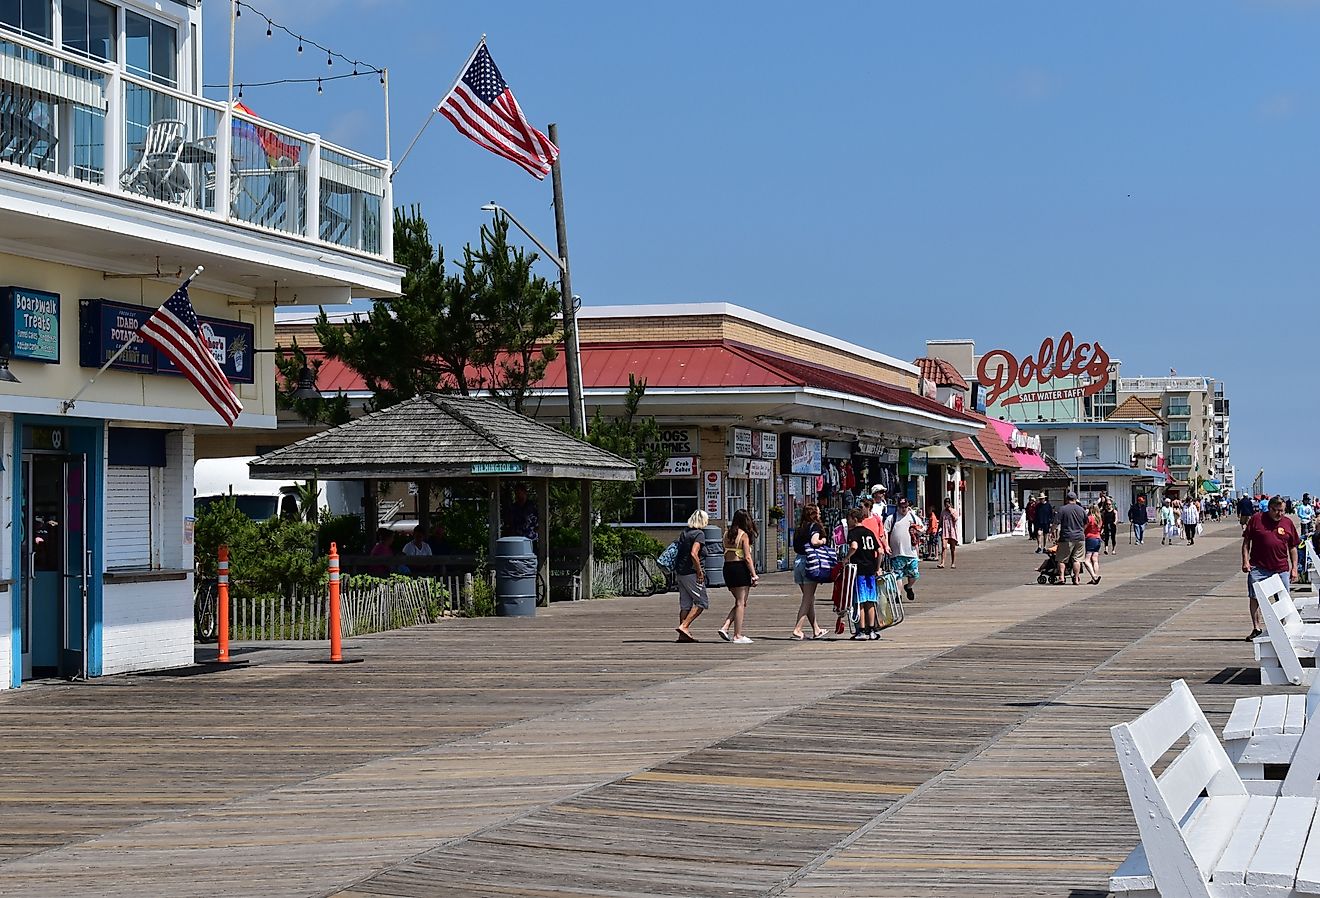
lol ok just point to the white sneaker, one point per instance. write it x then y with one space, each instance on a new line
741 640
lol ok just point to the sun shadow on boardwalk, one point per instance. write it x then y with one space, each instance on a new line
1236 676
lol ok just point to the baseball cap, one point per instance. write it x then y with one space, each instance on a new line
878 489
1071 496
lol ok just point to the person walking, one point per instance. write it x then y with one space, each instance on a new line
1031 519
809 532
1044 522
1168 523
1269 547
1191 518
1094 539
1108 523
691 575
1306 516
1139 518
739 574
1072 539
949 533
904 530
864 552
1246 507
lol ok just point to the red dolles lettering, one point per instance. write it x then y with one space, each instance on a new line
1000 370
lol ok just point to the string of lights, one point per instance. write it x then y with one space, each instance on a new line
360 68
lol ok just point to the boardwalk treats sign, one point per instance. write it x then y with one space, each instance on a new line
1008 381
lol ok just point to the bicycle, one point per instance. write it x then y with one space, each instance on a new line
205 618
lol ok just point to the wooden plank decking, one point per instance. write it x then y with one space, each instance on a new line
585 753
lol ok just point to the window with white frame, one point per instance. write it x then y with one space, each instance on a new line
665 500
151 49
88 27
28 17
1090 447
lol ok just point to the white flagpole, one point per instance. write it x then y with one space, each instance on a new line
457 78
67 404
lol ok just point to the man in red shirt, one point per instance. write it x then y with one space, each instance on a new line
1269 547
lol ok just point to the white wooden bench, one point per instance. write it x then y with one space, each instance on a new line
1202 834
1286 651
1273 730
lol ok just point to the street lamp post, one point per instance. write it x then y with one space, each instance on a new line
577 417
1078 456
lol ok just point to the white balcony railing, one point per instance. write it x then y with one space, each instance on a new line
66 117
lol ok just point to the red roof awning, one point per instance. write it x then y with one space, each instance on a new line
964 448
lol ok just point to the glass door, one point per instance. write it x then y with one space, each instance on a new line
53 569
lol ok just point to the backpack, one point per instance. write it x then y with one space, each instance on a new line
668 556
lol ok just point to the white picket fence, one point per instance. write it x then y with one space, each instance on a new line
388 605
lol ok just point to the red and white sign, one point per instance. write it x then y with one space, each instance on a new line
713 493
1000 372
680 466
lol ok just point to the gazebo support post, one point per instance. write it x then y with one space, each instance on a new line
495 519
543 537
587 573
424 506
371 509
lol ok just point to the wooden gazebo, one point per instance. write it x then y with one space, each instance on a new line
442 437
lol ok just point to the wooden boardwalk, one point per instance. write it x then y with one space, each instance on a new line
585 753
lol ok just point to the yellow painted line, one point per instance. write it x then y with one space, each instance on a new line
694 818
760 782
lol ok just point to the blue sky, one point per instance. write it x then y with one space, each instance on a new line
1141 173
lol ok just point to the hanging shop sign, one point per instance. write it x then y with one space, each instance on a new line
838 449
1008 381
679 466
231 347
804 456
883 454
769 446
30 325
713 492
750 468
679 440
104 326
740 442
912 464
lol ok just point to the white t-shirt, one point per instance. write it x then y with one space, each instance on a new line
1189 515
411 548
900 534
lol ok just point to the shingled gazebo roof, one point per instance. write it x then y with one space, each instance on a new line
435 437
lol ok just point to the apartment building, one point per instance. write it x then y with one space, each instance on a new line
117 179
1197 442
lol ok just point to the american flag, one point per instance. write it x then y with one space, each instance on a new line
175 331
482 107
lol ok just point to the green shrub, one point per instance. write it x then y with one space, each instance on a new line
606 543
483 596
345 530
636 542
273 558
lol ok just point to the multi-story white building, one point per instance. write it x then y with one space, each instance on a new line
1198 439
117 178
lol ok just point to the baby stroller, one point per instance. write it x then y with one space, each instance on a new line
1049 572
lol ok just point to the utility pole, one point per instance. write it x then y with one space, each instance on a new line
577 412
577 416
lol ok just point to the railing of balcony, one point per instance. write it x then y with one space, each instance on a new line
1180 411
67 117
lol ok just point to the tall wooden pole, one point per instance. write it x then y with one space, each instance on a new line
572 361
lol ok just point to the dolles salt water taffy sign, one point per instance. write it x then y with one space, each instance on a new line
1001 373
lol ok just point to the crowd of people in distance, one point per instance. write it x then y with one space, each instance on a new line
875 536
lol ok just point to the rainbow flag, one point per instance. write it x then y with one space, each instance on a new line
279 152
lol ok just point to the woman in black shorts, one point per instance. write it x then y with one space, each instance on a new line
739 573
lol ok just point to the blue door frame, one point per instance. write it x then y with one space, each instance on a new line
86 438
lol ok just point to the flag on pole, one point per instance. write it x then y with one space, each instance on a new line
482 108
175 331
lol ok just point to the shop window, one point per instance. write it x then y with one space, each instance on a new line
665 500
132 531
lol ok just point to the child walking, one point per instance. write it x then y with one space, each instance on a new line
864 552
